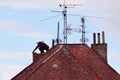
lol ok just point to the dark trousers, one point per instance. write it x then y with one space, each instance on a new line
42 49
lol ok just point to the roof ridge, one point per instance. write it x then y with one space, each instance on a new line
84 65
100 59
28 68
60 46
83 54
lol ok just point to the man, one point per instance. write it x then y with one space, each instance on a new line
41 46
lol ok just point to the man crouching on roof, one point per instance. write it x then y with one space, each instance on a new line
41 46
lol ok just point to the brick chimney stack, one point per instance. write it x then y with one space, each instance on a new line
100 48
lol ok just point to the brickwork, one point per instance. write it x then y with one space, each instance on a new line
32 67
69 62
95 64
37 56
67 68
101 49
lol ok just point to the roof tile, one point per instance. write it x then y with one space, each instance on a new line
69 62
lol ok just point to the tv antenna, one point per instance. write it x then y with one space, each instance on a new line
69 29
84 39
64 6
79 30
83 30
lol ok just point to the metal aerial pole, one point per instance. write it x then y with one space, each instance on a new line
58 39
83 30
64 12
65 23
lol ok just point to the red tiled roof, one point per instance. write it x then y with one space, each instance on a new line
69 62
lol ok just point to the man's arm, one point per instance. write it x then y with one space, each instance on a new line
34 49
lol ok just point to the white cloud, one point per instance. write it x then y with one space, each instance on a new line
7 71
9 68
22 4
15 55
110 9
17 29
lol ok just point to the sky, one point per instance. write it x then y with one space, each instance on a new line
25 22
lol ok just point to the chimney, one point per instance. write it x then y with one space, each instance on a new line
37 56
100 47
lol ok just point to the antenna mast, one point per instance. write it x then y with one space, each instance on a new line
65 21
58 39
65 6
83 30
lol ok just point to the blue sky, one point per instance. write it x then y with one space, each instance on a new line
21 28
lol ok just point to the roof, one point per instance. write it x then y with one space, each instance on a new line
69 62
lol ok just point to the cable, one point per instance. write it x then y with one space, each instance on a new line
87 16
49 18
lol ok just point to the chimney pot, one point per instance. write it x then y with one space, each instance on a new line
94 38
98 38
103 37
101 49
